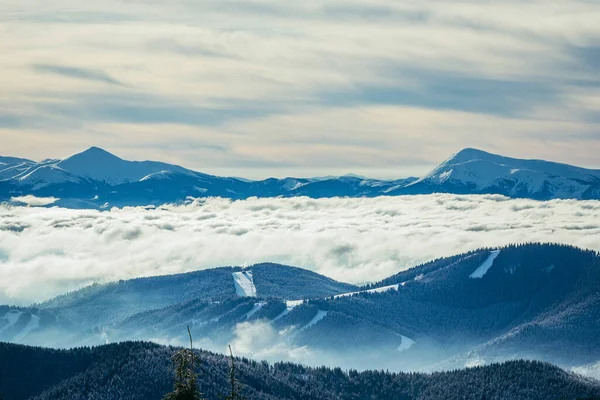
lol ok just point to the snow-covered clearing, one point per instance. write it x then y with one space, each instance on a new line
487 264
244 284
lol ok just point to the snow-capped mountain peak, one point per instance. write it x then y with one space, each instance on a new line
91 155
469 154
475 171
100 165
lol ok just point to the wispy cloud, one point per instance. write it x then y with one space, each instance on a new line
77 73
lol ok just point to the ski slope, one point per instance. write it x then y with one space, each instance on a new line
9 319
289 306
318 317
487 264
255 309
33 324
244 284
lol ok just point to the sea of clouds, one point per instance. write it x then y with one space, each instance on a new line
47 251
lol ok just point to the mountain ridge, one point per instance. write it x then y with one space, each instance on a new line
96 178
473 171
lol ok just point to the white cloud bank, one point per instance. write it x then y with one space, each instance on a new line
260 340
34 201
44 252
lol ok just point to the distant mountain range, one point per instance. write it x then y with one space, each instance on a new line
143 371
98 179
536 301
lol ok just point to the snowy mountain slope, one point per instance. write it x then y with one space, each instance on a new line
11 167
100 165
472 171
46 175
93 164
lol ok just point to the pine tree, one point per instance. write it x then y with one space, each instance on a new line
235 386
186 363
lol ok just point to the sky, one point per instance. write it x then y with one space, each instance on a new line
259 88
45 252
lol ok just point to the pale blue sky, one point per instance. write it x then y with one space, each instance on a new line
261 88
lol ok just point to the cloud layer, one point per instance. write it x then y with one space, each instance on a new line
47 251
317 87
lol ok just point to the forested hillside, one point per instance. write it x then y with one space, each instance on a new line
101 304
143 371
534 301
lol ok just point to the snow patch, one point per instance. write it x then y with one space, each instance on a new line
244 284
474 362
318 317
376 290
392 188
445 175
406 344
157 175
298 185
487 264
289 306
